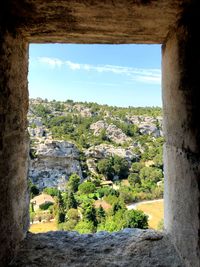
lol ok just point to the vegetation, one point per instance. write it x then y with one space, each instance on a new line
76 207
66 123
113 167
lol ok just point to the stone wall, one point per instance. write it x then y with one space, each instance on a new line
13 144
181 95
120 21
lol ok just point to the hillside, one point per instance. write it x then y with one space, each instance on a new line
71 137
93 160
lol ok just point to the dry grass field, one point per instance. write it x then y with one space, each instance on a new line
43 227
155 211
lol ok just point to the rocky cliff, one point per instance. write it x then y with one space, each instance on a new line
53 162
63 133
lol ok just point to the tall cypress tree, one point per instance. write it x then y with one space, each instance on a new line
71 201
61 209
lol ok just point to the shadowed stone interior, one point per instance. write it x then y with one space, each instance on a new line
93 21
175 24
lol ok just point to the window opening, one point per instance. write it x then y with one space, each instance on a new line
95 125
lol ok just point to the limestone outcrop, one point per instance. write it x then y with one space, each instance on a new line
95 153
112 132
53 163
147 125
106 150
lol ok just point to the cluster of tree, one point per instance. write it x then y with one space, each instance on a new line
76 209
113 167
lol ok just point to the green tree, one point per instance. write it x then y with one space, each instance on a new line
136 167
105 167
45 206
89 213
41 110
87 188
127 194
61 209
134 179
151 174
71 201
34 191
136 219
121 167
85 227
52 191
100 214
113 166
117 205
73 183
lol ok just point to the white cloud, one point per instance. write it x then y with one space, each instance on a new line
52 62
72 65
151 76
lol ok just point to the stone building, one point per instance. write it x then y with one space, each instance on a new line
172 23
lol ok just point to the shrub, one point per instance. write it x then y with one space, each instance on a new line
45 206
136 219
134 179
87 188
34 191
73 183
85 227
67 226
52 191
72 214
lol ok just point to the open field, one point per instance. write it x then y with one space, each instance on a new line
152 208
155 211
43 227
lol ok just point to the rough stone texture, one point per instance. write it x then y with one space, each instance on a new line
147 125
111 130
128 248
13 144
94 21
108 21
182 202
55 161
106 150
181 94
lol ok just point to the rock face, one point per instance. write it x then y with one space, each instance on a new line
95 153
112 132
147 125
105 150
127 248
83 111
54 162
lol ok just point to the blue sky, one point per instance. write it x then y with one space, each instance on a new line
119 75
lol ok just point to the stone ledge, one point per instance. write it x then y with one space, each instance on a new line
129 247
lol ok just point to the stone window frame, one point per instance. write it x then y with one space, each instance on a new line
22 24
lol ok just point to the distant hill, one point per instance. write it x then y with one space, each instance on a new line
74 137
